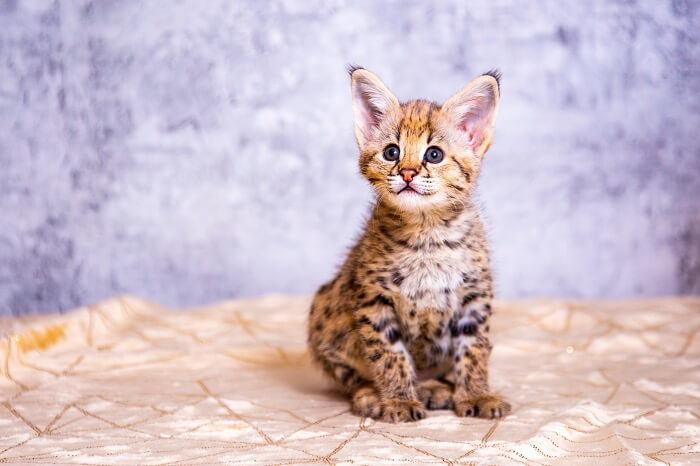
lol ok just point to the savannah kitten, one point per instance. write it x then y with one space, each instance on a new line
404 324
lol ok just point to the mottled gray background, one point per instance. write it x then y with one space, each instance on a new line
193 151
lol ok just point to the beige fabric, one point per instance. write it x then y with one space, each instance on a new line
126 381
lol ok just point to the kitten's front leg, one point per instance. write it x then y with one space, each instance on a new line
472 350
389 362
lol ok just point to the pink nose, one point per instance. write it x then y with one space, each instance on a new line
408 174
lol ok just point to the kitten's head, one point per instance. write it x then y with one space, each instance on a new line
419 155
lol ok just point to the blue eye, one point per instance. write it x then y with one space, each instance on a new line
391 152
433 155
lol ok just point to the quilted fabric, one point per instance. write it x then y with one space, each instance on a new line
126 381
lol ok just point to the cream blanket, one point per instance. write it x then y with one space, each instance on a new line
126 381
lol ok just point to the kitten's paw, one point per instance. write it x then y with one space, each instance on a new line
434 394
484 406
398 410
366 402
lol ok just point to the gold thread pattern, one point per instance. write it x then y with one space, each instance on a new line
126 381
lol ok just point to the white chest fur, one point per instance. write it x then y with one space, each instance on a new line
431 278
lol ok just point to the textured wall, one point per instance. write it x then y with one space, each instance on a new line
193 151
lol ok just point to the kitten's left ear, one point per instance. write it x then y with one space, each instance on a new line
472 111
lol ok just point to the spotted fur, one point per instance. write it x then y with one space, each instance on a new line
404 324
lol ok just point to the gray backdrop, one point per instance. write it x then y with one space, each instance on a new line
193 151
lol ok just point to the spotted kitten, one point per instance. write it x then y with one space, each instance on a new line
404 324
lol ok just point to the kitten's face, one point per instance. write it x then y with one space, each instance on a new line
420 156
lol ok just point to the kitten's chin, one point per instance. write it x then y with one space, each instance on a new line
409 200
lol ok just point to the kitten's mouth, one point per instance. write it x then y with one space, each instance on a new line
408 190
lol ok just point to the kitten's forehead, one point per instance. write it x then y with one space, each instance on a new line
417 119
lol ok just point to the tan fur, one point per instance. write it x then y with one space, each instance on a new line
404 324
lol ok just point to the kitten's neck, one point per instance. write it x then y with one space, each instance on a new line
422 225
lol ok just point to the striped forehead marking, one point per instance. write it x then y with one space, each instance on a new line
416 120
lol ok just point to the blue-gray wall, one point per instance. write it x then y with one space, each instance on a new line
193 151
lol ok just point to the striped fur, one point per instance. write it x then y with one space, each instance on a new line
404 324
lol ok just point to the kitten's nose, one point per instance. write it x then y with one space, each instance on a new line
408 174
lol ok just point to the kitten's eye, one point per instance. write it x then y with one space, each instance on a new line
391 153
434 155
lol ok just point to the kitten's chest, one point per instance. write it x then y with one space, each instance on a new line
430 279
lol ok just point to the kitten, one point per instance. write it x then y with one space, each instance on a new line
404 324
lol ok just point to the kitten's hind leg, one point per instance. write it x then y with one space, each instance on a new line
435 394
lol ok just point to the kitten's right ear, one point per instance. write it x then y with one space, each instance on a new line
371 102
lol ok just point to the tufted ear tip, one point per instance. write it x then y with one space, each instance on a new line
351 68
495 74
